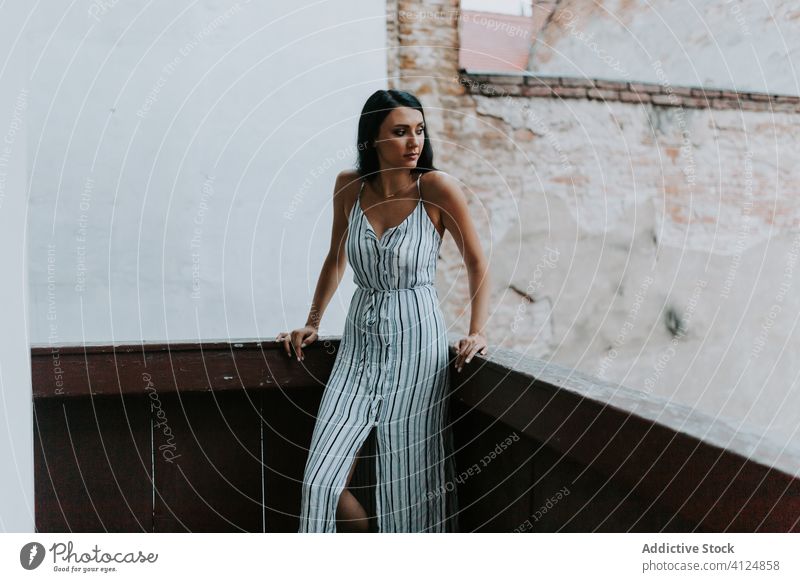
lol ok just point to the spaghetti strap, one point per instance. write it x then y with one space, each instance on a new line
356 207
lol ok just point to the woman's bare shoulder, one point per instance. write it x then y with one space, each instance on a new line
346 178
440 185
346 190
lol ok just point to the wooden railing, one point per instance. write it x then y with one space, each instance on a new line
213 437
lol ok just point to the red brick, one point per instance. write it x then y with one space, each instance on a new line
514 90
682 91
507 79
539 91
603 94
724 104
784 107
576 82
542 81
694 102
605 84
712 93
491 90
574 92
700 92
672 100
630 97
753 105
644 87
523 135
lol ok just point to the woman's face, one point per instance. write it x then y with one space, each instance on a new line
400 134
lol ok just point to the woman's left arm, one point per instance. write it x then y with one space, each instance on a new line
457 220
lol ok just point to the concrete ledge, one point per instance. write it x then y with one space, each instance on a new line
529 85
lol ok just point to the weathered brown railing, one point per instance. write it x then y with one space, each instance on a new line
631 462
213 437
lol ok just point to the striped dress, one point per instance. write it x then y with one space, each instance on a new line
388 388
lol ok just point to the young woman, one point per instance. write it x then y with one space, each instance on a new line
392 371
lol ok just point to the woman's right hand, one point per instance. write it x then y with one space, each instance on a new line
298 338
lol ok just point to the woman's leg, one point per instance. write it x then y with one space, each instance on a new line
351 516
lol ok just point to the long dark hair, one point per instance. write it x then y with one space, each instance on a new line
375 110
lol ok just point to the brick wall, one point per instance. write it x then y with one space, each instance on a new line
714 43
529 85
643 233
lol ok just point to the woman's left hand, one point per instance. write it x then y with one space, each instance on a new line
469 346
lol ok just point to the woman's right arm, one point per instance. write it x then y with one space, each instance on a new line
332 271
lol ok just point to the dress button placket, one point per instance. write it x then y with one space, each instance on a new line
381 296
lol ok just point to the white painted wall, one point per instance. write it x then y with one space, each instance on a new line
714 43
16 414
182 159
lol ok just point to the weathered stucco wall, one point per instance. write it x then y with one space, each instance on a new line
717 43
650 244
647 244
